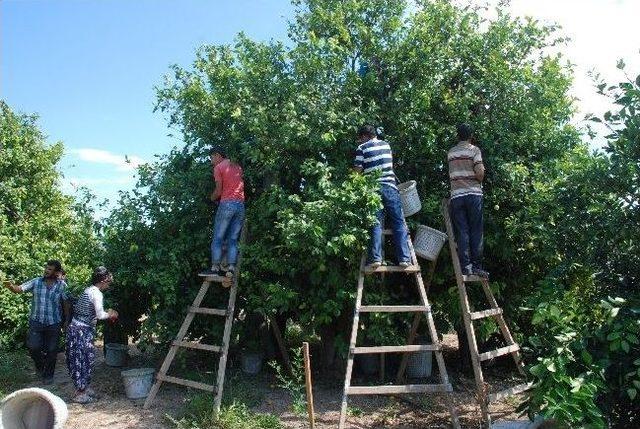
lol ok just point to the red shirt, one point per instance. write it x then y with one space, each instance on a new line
228 175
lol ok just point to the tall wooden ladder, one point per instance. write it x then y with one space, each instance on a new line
435 346
228 313
485 398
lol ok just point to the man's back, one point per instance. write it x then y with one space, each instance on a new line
376 156
229 175
463 158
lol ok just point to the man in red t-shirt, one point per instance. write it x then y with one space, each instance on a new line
230 214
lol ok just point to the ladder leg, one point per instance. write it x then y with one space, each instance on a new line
442 370
352 344
172 351
506 333
222 364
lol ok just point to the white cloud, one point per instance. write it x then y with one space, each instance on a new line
122 162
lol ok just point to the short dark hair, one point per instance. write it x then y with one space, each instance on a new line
465 131
219 150
55 264
99 275
367 130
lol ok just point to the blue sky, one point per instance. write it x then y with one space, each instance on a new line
88 67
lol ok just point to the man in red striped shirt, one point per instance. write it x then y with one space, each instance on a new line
466 173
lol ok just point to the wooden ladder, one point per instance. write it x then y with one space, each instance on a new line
435 346
484 397
223 349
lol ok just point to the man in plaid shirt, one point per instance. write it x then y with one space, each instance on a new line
49 296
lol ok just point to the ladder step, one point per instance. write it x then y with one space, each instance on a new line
396 349
499 352
212 277
486 313
510 392
473 279
213 311
199 346
188 383
407 388
392 269
394 308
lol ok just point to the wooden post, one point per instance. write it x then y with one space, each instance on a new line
307 373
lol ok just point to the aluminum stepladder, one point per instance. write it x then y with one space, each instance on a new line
223 349
435 346
484 397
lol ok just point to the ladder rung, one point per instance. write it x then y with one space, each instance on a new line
396 349
213 311
394 308
472 279
212 277
188 383
407 388
510 392
199 346
393 269
499 352
486 313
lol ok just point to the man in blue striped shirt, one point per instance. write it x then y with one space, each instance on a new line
374 156
49 294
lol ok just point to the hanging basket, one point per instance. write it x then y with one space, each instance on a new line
33 408
428 242
410 198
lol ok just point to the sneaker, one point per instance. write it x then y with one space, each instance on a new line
480 273
213 271
82 398
405 264
467 271
373 265
230 271
89 391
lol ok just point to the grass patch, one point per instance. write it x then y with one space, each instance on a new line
200 415
15 371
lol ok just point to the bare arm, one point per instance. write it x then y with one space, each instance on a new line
479 170
13 288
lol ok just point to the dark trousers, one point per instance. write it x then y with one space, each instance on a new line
466 214
42 342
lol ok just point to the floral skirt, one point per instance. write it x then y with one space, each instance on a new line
81 354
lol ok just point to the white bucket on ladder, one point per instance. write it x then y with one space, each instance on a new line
33 408
428 242
410 198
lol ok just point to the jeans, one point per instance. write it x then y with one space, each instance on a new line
42 342
466 214
227 225
392 207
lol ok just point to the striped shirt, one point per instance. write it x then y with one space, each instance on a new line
46 302
463 158
375 156
88 308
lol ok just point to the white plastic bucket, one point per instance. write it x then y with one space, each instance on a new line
137 382
33 408
428 242
410 199
115 354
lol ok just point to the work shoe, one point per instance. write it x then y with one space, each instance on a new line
373 265
480 273
230 271
95 395
214 271
82 398
405 264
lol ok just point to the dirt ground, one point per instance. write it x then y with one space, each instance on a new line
115 411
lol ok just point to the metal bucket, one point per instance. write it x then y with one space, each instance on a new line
115 354
137 382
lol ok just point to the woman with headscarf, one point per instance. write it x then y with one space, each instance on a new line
81 352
